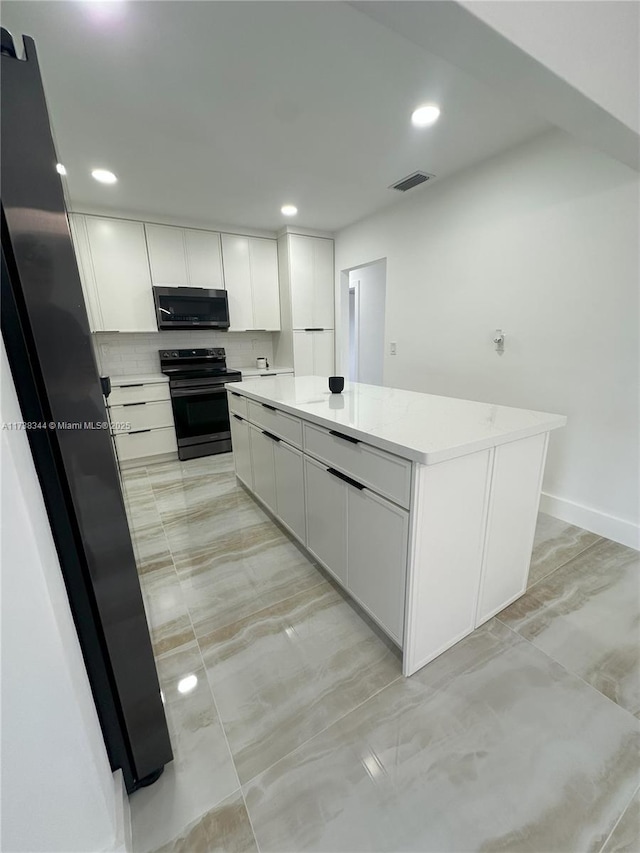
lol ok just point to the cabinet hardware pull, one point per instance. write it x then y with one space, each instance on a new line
238 418
271 408
344 437
315 329
262 375
344 477
135 385
138 431
235 394
124 405
271 436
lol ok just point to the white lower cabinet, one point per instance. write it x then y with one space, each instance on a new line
262 463
313 352
326 509
377 557
241 449
289 470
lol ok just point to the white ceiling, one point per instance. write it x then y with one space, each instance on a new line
220 112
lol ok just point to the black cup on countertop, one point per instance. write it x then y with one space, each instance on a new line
336 384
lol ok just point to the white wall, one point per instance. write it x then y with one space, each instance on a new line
58 792
371 284
541 241
593 45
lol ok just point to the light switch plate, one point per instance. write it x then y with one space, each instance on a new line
392 348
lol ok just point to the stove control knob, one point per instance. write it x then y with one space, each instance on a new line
165 355
174 355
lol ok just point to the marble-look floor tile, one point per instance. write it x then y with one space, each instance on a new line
151 547
287 672
625 838
189 531
224 829
555 543
242 572
491 747
586 615
167 614
188 494
202 771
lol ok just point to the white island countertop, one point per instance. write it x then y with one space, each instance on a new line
423 427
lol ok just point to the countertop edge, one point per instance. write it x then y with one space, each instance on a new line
431 458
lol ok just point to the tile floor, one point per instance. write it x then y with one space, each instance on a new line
293 728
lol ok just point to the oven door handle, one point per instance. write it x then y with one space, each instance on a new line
192 392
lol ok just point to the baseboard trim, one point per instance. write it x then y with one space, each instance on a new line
617 529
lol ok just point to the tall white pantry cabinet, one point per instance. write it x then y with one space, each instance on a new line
306 272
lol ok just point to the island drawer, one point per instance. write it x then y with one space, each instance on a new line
238 403
383 472
138 392
277 422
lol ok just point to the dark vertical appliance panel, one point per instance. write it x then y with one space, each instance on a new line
47 335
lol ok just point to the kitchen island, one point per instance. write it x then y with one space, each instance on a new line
423 508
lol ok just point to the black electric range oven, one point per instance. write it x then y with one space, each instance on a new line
199 400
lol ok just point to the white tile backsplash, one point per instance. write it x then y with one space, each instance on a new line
127 353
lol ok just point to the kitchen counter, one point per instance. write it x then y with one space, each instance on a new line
138 379
254 371
423 508
422 427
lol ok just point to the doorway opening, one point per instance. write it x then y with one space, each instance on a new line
367 294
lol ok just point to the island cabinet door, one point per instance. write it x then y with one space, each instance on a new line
264 476
290 488
377 557
241 449
326 511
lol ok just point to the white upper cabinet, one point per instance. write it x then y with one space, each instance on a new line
167 256
311 277
204 259
78 228
251 279
237 278
184 257
118 255
263 257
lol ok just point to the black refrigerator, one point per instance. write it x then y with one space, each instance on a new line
48 342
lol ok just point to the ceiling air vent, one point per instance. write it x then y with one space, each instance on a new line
411 181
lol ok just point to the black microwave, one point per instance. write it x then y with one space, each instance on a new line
191 308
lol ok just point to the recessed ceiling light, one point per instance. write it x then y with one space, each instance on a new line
289 209
425 115
104 176
60 169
